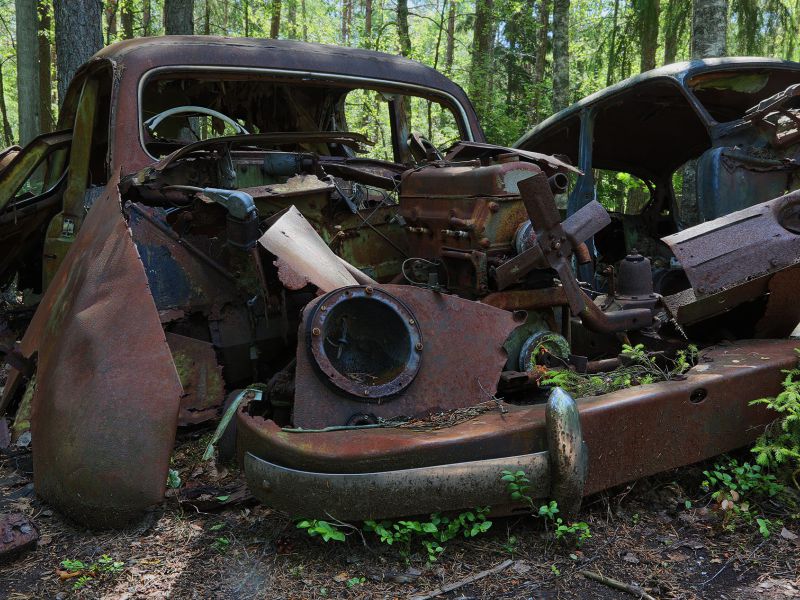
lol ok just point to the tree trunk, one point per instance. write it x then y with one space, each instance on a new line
126 19
648 33
402 27
612 45
367 23
291 19
207 18
541 58
111 20
275 23
27 70
79 34
45 67
481 44
674 27
347 7
304 16
560 54
146 17
8 134
451 39
709 28
179 17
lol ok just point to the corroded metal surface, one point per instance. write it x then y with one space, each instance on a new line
133 58
567 452
365 342
629 434
200 376
103 432
733 259
17 534
391 494
461 362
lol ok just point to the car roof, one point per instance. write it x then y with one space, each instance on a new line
143 54
670 115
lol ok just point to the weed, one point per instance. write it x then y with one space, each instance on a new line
734 486
354 581
641 368
221 544
432 533
327 531
555 571
87 572
779 446
574 533
517 484
173 479
510 545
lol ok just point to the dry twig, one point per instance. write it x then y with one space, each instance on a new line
617 585
467 580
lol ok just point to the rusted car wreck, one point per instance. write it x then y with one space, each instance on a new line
211 222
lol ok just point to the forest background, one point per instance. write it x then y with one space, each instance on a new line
519 60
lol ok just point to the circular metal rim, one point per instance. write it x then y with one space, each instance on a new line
539 337
358 391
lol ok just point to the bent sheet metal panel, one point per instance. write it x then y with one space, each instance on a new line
106 403
462 359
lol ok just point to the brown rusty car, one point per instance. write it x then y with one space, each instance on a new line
323 237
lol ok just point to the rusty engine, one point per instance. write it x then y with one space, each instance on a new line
357 291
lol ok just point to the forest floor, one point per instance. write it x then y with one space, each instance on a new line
642 534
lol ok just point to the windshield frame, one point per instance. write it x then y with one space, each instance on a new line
446 99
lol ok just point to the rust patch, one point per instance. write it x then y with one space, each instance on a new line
200 376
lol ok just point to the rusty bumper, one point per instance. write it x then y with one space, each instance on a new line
387 472
559 473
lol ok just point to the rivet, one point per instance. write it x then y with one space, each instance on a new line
316 331
266 485
411 322
368 290
366 392
418 346
323 307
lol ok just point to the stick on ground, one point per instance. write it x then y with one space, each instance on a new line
454 586
617 585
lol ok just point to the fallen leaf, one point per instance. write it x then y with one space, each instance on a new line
788 535
631 558
520 567
341 577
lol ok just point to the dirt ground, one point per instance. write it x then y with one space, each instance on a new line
642 534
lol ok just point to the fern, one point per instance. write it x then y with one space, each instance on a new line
779 446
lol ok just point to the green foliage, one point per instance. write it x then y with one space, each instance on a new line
576 533
221 544
173 479
639 368
779 447
438 530
104 566
518 486
354 581
327 531
737 488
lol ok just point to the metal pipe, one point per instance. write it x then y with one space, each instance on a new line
618 321
527 299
